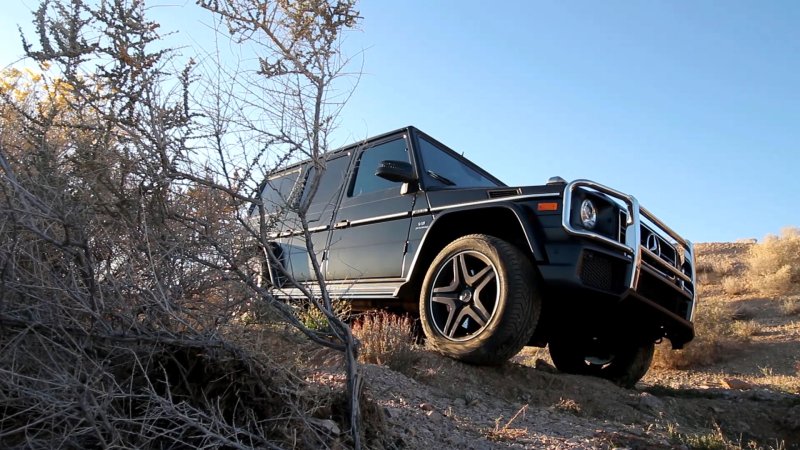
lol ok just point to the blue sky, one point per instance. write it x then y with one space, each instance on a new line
693 107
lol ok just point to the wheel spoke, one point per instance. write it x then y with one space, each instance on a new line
479 306
452 308
448 298
479 316
453 320
454 325
461 258
454 285
471 280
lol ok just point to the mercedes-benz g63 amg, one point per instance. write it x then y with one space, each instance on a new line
401 220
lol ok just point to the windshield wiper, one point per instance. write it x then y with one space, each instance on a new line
441 178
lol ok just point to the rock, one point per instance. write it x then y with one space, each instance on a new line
735 383
650 402
434 416
426 407
792 419
327 425
544 366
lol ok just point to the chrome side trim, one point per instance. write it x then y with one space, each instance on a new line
349 290
380 218
495 200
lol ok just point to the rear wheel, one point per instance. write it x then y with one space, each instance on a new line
621 361
480 300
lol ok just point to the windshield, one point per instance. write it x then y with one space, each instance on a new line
444 170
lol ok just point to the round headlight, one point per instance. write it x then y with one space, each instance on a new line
588 214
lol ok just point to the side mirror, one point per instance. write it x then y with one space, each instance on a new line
397 171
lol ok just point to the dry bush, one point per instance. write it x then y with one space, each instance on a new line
314 319
386 339
774 264
790 306
152 391
715 265
733 285
568 405
745 328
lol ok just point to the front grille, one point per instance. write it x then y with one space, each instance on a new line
659 246
645 245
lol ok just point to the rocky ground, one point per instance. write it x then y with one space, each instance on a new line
747 399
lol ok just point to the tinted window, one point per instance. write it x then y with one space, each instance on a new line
366 180
330 184
279 190
445 170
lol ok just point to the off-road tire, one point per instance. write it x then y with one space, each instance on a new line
516 303
629 361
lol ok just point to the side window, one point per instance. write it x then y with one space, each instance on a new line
443 169
330 184
365 179
280 190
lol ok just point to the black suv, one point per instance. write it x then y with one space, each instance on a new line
402 221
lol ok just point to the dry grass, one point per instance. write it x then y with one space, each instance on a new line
505 432
714 439
387 339
774 264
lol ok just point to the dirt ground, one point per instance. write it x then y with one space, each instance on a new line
748 399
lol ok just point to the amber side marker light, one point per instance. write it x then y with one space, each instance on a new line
547 206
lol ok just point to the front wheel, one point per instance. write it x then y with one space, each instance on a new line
621 361
480 300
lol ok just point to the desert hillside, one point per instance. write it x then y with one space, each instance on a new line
736 386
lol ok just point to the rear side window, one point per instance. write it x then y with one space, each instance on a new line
365 179
330 185
280 190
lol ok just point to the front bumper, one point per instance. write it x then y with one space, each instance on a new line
646 263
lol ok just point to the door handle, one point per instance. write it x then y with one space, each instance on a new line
342 224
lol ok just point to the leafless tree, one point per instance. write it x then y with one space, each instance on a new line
126 231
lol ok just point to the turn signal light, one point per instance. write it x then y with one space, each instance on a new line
547 206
